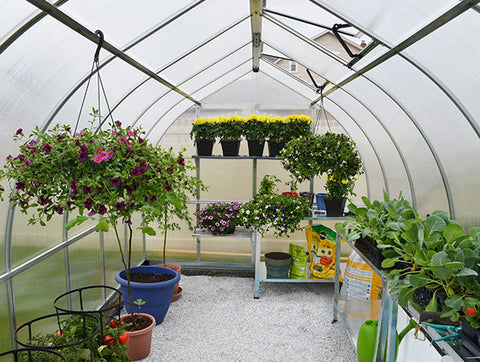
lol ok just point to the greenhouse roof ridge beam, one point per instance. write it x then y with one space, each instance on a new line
444 18
88 34
256 11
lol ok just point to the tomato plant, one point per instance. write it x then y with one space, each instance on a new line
108 340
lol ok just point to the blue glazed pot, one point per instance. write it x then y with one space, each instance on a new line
151 298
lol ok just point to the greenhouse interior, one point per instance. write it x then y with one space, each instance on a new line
248 180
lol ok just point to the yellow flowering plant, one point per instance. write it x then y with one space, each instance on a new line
340 189
204 129
230 128
255 128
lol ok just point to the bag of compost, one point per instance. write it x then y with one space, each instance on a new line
322 249
298 266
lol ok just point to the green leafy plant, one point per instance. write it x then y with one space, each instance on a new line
230 128
255 128
111 346
270 210
107 175
332 154
204 129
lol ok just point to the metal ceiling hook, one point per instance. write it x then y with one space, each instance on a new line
100 44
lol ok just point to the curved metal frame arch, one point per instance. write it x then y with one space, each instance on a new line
428 74
133 89
168 91
396 101
168 110
144 36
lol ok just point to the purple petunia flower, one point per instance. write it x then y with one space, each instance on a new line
120 206
181 161
73 187
87 189
102 209
153 198
118 123
168 187
83 153
58 209
88 203
91 213
117 181
19 131
19 185
47 148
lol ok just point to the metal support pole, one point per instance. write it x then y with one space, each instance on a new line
336 293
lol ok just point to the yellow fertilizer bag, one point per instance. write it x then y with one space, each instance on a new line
360 281
322 249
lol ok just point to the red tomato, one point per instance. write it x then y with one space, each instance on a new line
124 338
108 340
471 312
59 334
113 323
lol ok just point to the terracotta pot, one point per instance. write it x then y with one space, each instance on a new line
178 291
140 341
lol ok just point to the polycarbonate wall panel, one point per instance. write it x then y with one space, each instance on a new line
454 140
396 178
85 262
36 288
115 86
392 21
186 32
122 20
5 338
306 54
31 240
451 54
14 14
228 42
425 174
290 82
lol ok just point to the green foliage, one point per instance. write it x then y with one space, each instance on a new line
204 129
77 328
332 154
255 128
230 128
435 253
270 210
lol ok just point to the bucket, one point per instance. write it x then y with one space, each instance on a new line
321 200
278 265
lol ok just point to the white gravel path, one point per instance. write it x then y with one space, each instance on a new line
217 319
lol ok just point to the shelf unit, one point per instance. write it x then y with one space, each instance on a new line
256 239
353 313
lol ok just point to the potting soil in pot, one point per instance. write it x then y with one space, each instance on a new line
150 277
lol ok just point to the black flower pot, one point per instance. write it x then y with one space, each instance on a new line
370 251
230 147
255 147
204 147
275 147
309 196
335 207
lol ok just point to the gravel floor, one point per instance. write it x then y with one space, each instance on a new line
217 319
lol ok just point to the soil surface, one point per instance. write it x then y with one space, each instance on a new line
150 277
140 321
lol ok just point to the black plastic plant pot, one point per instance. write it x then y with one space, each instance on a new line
370 251
86 300
29 334
335 207
275 147
230 147
255 148
33 355
309 196
204 147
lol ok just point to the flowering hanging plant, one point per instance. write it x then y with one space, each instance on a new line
106 175
332 154
270 210
219 217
